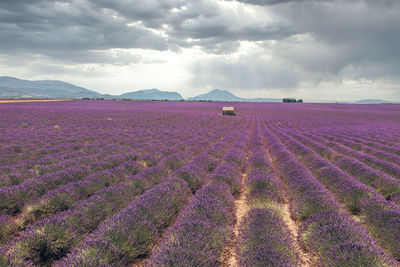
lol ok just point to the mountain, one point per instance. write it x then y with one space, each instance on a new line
151 94
18 88
218 95
371 101
224 95
13 87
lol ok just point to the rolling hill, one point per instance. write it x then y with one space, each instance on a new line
224 95
151 94
13 87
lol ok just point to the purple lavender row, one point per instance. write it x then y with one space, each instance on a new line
32 149
64 197
73 132
195 172
234 162
367 149
132 232
230 171
205 226
53 162
380 123
51 238
82 217
71 222
33 167
17 177
12 198
363 140
261 182
131 243
388 167
393 157
127 245
66 151
200 234
307 195
151 162
307 124
373 136
359 199
264 238
309 200
338 241
386 185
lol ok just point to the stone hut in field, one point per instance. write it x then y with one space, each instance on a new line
228 111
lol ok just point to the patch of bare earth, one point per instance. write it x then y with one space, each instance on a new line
306 258
241 209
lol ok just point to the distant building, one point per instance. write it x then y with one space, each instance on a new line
228 111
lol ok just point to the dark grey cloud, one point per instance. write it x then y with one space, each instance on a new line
252 72
329 41
302 41
343 36
275 2
49 27
73 25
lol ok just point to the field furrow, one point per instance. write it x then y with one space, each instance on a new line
267 234
386 185
186 244
374 211
136 183
132 245
314 205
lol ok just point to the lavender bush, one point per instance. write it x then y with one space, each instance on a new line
198 238
264 241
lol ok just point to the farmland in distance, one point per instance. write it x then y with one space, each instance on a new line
130 183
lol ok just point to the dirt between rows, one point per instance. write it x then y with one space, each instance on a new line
241 209
293 226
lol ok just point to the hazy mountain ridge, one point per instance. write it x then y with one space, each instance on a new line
14 87
217 95
224 95
151 94
372 101
11 87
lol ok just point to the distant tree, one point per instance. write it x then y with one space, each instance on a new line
289 100
300 101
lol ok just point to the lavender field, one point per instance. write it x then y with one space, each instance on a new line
126 183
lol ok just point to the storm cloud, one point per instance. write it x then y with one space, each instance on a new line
247 45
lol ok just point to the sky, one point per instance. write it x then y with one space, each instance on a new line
310 49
